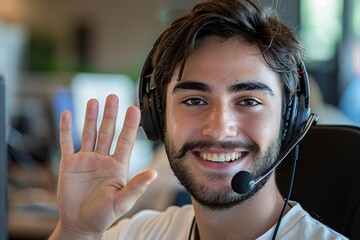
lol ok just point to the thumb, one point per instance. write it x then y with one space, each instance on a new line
127 197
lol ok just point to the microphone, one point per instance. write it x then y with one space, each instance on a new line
244 181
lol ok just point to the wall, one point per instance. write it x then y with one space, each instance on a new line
121 31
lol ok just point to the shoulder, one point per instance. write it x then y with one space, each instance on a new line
298 224
173 223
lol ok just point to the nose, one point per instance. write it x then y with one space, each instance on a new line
220 123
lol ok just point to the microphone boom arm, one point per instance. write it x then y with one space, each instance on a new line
312 118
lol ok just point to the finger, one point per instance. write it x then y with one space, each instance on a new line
127 137
126 197
89 133
107 128
66 140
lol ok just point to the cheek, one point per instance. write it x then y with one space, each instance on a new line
263 128
179 128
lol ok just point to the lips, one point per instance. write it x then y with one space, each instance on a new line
221 157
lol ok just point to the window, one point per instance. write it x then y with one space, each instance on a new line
321 28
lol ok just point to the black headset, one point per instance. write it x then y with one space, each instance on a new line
151 110
296 113
298 108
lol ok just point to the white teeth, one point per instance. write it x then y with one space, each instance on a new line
222 157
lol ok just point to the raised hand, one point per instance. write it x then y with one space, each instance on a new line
93 188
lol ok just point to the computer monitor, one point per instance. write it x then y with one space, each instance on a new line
3 164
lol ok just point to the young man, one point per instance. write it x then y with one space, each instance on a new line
223 77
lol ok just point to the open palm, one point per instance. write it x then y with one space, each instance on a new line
93 188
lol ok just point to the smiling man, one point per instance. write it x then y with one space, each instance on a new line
225 116
222 81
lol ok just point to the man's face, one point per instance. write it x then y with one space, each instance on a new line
222 117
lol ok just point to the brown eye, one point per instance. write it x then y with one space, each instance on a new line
194 102
249 102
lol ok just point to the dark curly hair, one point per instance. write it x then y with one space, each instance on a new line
243 19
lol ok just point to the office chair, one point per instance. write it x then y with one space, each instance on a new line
327 178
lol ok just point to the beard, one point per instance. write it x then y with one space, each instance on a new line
225 197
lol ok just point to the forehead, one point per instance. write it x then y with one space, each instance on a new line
225 62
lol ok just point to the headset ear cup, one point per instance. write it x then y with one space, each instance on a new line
150 116
156 115
159 123
146 117
289 120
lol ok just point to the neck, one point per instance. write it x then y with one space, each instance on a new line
247 220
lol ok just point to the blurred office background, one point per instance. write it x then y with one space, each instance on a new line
56 54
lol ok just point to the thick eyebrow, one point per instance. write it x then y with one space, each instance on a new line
239 87
251 86
190 85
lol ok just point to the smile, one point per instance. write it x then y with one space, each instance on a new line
221 157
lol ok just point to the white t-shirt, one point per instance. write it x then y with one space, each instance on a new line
176 222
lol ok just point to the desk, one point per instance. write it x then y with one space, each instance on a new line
25 225
32 208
